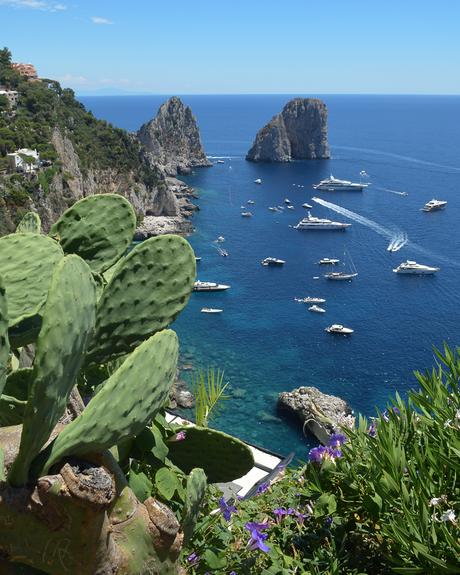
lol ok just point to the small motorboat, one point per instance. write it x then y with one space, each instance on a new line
242 207
209 286
258 181
310 300
307 206
340 329
250 202
287 201
211 310
246 214
291 207
328 261
220 239
272 262
198 258
317 309
220 162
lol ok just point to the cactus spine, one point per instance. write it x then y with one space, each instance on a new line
68 319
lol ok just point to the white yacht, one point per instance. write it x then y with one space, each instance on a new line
272 262
220 239
312 223
317 309
434 205
209 286
307 206
211 310
411 267
291 207
287 201
310 300
250 202
198 258
340 276
328 261
220 162
333 184
258 181
337 328
246 214
273 209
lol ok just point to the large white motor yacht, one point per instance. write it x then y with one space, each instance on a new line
333 184
211 310
310 299
209 286
434 205
411 267
337 328
312 223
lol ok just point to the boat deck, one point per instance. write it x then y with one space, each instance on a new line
267 466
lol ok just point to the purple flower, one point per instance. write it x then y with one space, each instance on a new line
385 414
336 440
180 436
257 537
300 517
226 509
193 559
279 513
323 453
329 521
232 573
372 429
263 487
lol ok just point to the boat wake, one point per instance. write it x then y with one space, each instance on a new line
391 191
381 230
409 159
399 241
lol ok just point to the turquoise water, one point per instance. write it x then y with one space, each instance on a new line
266 342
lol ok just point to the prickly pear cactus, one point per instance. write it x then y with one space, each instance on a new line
68 319
18 383
222 457
11 410
30 224
98 228
194 495
4 342
127 402
147 291
27 263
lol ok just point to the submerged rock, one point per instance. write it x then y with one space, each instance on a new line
172 139
320 413
299 132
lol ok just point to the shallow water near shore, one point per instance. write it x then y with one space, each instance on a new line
264 340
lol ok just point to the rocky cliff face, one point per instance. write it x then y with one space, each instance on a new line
299 132
172 139
164 202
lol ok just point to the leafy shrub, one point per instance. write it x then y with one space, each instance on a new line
382 499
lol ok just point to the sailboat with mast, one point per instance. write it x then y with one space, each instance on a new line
346 275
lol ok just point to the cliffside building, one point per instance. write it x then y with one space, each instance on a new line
23 160
10 95
27 70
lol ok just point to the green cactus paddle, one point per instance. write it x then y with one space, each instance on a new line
128 401
30 224
4 342
98 228
194 495
68 319
147 291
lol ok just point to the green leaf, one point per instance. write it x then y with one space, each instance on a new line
213 560
166 482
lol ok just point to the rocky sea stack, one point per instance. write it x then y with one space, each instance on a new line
173 140
299 132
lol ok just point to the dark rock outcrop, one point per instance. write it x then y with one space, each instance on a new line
321 414
299 132
172 139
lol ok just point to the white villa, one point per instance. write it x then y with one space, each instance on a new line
11 96
23 160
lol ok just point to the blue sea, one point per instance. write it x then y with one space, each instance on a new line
264 340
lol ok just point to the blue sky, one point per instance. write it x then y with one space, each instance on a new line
236 46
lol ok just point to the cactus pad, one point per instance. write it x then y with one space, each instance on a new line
98 228
18 383
30 224
127 402
68 319
27 263
147 291
221 456
11 411
194 495
4 342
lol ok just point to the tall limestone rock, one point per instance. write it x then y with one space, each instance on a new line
173 140
299 132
